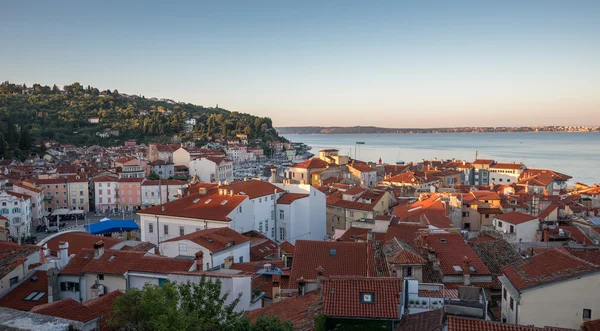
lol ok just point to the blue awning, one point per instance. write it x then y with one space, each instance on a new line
111 226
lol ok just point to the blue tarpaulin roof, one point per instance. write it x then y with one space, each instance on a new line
111 226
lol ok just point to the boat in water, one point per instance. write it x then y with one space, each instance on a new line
360 142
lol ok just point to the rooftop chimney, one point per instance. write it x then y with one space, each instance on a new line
98 249
301 286
199 260
228 262
63 248
467 270
276 288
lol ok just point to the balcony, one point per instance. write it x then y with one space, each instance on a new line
494 233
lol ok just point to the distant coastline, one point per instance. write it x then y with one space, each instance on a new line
377 130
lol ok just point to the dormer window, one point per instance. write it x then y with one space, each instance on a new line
332 252
367 297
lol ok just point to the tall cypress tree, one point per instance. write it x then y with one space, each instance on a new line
25 139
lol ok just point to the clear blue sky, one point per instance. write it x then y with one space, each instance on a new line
392 64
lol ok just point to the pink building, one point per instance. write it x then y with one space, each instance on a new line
55 193
130 193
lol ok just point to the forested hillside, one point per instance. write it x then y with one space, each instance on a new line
85 116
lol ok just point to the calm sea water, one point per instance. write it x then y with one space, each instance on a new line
575 154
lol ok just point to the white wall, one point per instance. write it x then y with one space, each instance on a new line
210 260
526 231
241 221
308 214
80 296
264 214
104 187
231 285
181 157
560 304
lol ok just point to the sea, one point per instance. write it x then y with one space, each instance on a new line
573 153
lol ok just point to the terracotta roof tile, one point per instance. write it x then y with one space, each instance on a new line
252 188
496 254
78 241
15 299
336 258
300 310
456 323
425 321
287 247
289 198
210 206
342 297
67 308
103 306
514 217
451 249
215 240
314 163
550 266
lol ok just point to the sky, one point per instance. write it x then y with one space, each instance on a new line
323 63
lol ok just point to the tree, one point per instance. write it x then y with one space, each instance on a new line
25 139
184 306
153 176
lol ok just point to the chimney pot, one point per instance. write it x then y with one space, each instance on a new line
199 260
98 249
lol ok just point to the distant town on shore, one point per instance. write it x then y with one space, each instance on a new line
377 130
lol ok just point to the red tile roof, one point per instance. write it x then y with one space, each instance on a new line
551 266
300 310
209 206
362 167
289 198
78 241
485 195
252 188
287 247
103 306
19 195
67 308
13 254
510 166
452 251
591 325
15 299
483 162
260 245
545 173
119 262
403 231
342 297
425 321
514 217
131 180
350 259
164 182
456 323
215 240
105 179
314 163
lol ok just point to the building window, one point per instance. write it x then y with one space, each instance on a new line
281 234
100 277
367 297
512 229
260 229
241 259
587 314
499 224
14 281
150 228
512 304
281 214
409 272
504 293
69 287
166 229
181 231
266 226
35 296
240 209
465 214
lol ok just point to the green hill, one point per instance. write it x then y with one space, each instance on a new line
84 116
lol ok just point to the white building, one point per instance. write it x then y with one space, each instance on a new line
212 169
156 192
558 288
237 153
264 197
281 211
16 208
163 169
184 155
514 226
366 175
219 246
37 199
205 206
301 213
105 193
506 173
